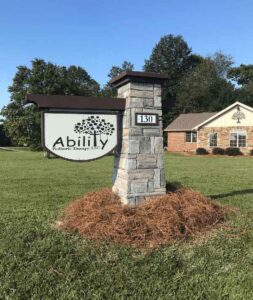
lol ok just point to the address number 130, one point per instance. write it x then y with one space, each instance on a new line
146 119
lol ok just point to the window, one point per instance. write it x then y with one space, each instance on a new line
188 137
191 137
238 139
241 140
213 140
233 139
194 137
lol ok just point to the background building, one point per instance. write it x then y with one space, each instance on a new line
231 127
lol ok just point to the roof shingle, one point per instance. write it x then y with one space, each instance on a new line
188 121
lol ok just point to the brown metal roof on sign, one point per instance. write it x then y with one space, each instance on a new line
76 102
188 121
134 76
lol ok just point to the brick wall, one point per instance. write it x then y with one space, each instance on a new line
176 143
223 140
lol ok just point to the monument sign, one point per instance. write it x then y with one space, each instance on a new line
86 128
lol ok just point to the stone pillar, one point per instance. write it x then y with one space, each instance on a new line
138 167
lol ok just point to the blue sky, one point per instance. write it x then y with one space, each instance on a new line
97 34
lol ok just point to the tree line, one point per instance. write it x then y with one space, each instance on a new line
195 84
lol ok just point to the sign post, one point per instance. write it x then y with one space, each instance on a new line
139 168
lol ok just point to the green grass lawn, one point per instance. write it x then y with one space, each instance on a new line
38 262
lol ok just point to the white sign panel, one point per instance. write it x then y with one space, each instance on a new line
80 137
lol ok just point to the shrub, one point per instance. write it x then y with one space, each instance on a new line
251 152
201 151
232 151
218 151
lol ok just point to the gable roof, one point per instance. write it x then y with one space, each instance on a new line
216 115
189 121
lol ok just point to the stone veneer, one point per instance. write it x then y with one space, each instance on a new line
138 167
223 138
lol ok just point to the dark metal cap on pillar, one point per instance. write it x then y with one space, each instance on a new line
140 77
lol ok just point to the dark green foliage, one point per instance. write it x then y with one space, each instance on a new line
243 75
203 90
22 123
171 56
116 70
218 151
196 84
108 90
4 140
231 151
244 94
201 151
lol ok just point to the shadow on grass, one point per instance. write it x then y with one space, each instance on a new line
52 157
6 149
173 186
48 155
233 193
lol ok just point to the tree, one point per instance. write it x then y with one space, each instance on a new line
22 123
114 72
243 75
171 56
203 89
174 57
244 94
222 63
4 140
78 82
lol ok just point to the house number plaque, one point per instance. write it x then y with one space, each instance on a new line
146 119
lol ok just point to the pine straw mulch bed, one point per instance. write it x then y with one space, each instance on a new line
99 216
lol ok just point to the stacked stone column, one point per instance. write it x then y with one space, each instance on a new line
139 167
